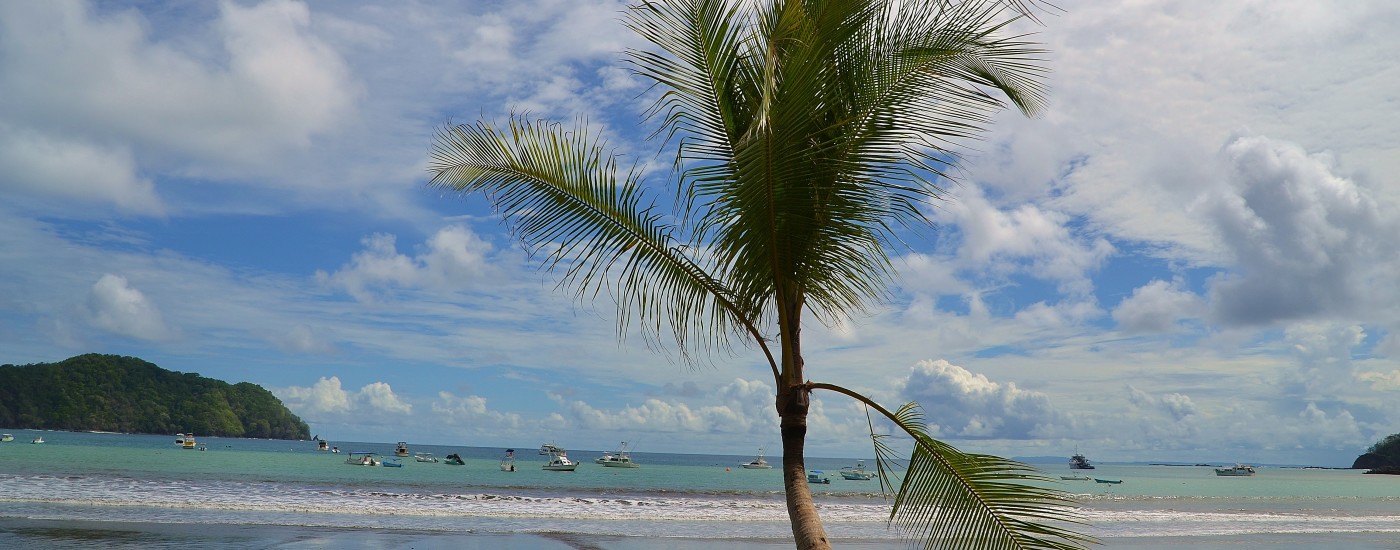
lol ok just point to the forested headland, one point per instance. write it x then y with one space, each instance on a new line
96 392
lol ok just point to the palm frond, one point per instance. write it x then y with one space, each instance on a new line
560 193
951 499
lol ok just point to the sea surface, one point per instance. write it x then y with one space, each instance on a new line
100 477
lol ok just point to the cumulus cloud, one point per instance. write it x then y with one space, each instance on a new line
472 413
117 307
1307 241
965 405
1157 307
454 257
40 164
326 398
1175 405
741 406
1024 238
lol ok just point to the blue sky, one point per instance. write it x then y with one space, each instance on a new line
1190 255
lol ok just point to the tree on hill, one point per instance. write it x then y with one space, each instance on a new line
1384 453
129 395
808 132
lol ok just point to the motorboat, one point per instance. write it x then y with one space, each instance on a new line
189 443
179 439
391 463
1108 481
618 459
424 457
1078 462
604 459
322 445
453 460
818 476
758 463
38 440
550 448
361 458
508 461
857 472
1238 470
401 449
559 462
6 438
1076 478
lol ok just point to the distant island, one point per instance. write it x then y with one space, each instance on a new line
112 393
1381 458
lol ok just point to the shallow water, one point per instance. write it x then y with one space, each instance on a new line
148 479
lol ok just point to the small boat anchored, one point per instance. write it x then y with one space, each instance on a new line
38 440
1239 470
453 460
1078 462
818 476
401 449
362 458
7 438
1108 481
425 457
550 448
559 462
857 472
508 461
618 459
758 463
189 443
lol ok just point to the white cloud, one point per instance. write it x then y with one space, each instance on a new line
454 257
472 414
117 307
964 405
1307 241
40 164
1157 307
326 401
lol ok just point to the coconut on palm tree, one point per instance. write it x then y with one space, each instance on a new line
807 134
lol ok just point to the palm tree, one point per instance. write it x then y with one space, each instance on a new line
806 133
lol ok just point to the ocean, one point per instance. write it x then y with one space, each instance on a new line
709 501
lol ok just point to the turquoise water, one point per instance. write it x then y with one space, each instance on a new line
134 478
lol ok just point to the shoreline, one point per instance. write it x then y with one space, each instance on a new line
63 534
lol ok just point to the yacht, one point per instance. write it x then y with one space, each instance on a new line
1078 462
1239 470
618 459
401 449
550 448
758 463
559 462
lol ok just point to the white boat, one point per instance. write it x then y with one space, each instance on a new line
1076 478
550 448
559 462
7 438
1239 470
38 440
179 439
189 443
323 445
604 459
758 463
857 472
618 459
361 458
818 476
508 461
425 457
401 449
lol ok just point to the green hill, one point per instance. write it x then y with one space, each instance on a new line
125 394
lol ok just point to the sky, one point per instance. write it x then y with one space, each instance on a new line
1190 255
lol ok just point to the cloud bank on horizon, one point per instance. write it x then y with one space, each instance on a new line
1190 256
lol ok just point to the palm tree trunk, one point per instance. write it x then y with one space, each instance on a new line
807 530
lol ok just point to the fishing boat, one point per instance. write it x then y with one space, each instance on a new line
1238 470
1076 478
401 449
38 440
453 460
508 461
1108 481
179 439
550 448
6 438
1078 462
322 445
425 457
362 458
758 463
618 459
559 462
189 443
392 463
857 472
818 476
